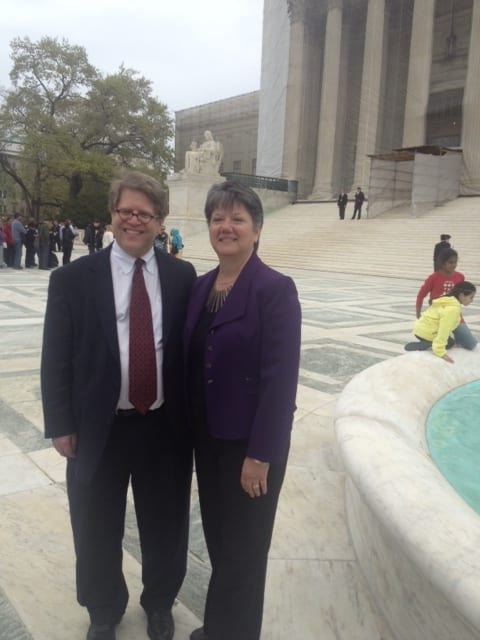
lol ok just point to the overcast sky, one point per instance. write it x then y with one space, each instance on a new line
193 51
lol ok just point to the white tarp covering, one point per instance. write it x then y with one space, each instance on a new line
273 88
390 185
421 184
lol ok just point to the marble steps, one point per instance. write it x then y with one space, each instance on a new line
304 235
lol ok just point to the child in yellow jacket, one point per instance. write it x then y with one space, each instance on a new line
435 325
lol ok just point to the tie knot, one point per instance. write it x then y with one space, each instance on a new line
139 264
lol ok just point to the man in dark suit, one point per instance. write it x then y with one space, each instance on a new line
359 199
117 423
341 204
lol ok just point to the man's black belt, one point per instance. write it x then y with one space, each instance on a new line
133 413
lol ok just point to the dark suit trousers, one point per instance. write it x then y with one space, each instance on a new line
141 449
238 532
357 209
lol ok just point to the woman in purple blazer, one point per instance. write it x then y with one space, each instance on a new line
242 349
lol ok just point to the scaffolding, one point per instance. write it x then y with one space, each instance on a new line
419 178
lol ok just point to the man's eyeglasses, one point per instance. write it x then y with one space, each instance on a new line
128 214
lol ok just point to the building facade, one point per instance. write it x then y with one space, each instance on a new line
233 122
345 79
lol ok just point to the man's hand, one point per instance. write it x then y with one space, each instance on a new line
66 445
447 358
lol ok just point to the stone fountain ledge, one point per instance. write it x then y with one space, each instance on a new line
416 540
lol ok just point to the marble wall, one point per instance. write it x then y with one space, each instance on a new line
415 539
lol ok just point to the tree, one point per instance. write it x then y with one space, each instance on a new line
124 119
76 127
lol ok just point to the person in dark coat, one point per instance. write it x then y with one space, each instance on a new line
45 242
341 204
31 244
439 247
115 424
89 235
68 237
359 199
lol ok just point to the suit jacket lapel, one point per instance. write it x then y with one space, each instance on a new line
104 299
167 284
235 304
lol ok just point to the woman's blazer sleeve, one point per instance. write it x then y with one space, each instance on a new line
280 318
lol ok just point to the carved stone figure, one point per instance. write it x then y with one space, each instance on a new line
204 159
192 158
211 154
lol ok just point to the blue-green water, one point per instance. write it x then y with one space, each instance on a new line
453 436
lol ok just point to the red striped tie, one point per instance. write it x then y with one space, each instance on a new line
142 368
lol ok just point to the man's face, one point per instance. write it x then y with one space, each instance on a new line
134 236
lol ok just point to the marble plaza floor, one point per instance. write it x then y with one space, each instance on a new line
314 590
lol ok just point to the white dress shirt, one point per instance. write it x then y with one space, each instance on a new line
122 265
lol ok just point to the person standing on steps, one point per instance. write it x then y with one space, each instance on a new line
359 199
439 247
341 204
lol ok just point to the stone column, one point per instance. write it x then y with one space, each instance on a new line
295 90
470 180
327 124
370 93
420 64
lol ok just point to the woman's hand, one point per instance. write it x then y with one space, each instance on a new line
254 477
447 358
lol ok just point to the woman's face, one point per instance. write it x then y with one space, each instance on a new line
466 298
232 232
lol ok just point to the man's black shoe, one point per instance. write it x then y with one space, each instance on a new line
160 625
198 634
101 632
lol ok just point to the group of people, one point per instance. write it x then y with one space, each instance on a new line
41 241
342 201
442 325
172 244
158 365
13 236
97 236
